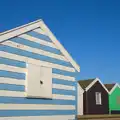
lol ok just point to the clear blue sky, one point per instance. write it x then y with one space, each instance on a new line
88 29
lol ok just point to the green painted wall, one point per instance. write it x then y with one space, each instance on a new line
113 99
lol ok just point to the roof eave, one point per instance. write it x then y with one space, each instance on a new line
97 79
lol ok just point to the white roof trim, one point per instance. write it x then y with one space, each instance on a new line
19 30
33 25
94 81
116 85
59 45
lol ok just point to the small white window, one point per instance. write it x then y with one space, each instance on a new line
98 98
39 81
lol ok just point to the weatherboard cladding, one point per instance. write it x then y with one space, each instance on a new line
14 54
114 98
90 107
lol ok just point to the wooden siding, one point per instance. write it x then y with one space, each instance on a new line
35 48
114 101
90 106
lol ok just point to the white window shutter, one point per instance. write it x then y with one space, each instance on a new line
98 98
39 81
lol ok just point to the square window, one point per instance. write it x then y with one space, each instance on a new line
39 81
98 98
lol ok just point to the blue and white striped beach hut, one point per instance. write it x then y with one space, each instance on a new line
37 75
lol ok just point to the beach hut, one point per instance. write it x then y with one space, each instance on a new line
37 75
114 98
92 97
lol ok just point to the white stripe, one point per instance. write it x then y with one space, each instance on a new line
11 81
12 68
63 97
34 50
37 40
22 82
38 30
64 87
24 70
63 77
23 94
34 61
52 117
35 107
11 93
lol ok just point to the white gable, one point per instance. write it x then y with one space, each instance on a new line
44 30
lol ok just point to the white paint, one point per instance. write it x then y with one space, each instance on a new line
35 75
12 68
36 107
23 94
98 98
34 61
52 117
63 97
20 30
38 30
34 50
63 77
59 45
37 40
94 81
12 81
11 93
79 100
64 87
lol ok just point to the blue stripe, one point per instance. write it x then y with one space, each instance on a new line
35 45
9 74
62 72
12 62
64 92
33 55
13 87
63 82
38 35
23 100
13 113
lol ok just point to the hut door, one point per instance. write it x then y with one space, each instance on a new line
39 81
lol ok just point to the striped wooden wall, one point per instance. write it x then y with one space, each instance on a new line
37 48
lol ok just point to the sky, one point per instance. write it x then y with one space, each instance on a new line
88 29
